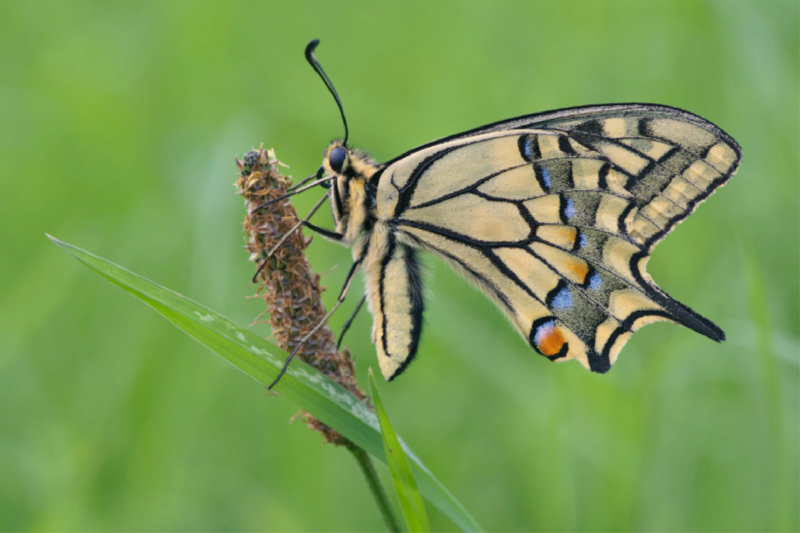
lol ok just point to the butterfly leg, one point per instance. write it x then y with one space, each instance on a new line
328 234
339 301
350 321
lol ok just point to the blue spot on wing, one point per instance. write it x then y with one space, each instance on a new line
569 211
528 149
546 177
582 241
562 300
595 281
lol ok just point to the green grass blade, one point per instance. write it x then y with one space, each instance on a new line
303 385
407 493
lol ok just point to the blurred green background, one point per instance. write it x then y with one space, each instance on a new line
119 123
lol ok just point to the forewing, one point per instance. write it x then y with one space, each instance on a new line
669 159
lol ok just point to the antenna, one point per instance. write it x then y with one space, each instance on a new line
317 67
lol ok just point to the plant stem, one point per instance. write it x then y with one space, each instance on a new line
375 488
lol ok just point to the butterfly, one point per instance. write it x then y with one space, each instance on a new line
552 215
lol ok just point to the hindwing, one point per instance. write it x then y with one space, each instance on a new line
555 215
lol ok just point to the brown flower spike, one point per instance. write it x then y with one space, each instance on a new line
287 283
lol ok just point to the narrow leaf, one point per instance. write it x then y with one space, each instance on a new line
303 385
407 493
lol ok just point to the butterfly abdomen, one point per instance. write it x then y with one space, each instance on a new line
395 297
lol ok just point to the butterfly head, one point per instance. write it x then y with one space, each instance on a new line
350 193
336 159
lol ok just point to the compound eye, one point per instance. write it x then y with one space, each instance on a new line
336 159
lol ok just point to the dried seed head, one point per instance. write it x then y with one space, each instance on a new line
289 287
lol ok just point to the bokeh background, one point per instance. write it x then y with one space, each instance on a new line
119 123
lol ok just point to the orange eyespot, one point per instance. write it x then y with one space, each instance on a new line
548 339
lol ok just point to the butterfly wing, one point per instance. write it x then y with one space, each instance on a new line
555 215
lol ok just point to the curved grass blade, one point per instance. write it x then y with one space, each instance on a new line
303 385
407 493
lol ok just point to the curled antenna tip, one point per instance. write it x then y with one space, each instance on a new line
310 49
312 60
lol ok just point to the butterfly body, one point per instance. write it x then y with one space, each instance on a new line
552 215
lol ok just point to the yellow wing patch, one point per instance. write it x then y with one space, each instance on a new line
480 219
